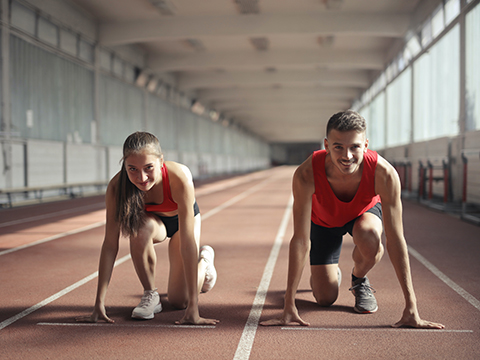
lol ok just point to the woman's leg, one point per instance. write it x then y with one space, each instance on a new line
145 260
143 253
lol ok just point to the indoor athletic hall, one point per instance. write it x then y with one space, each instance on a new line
240 92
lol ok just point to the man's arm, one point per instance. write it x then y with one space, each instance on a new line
303 189
387 185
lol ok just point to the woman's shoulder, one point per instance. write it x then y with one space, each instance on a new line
178 170
112 185
179 175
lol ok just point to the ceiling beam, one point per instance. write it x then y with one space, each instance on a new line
271 104
281 94
187 81
241 60
174 28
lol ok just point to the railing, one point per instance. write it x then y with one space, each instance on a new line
468 155
404 170
72 190
434 170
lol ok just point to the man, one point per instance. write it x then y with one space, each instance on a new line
346 188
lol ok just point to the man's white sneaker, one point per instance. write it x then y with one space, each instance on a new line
149 305
208 254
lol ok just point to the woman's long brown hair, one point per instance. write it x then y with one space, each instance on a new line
130 212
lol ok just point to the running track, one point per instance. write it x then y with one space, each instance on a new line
48 263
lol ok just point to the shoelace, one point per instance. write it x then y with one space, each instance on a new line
146 299
364 287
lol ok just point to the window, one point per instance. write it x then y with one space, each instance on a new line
23 18
472 101
438 22
85 51
399 106
68 42
47 32
437 89
452 10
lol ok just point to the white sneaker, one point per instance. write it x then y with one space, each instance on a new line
208 254
149 305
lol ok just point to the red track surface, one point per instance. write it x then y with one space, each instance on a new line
45 286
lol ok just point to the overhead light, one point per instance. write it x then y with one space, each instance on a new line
197 107
165 7
247 6
260 43
152 85
195 44
141 78
214 115
326 41
333 4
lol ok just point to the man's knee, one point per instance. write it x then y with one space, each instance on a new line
325 289
325 300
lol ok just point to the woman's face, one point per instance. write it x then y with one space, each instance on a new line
144 169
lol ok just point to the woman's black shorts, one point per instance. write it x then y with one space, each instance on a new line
171 222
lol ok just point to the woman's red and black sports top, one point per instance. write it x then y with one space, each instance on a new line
168 204
327 209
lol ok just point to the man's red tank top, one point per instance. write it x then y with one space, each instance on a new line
327 209
168 204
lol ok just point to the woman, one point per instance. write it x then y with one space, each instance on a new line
150 200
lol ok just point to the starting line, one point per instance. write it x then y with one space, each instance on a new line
128 325
439 331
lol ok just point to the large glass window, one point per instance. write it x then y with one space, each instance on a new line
472 101
399 106
437 89
376 123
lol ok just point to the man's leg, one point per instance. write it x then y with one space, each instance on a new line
367 237
326 245
368 251
324 283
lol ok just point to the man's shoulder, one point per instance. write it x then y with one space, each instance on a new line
304 172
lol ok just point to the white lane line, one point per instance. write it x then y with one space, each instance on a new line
236 199
56 296
454 286
227 184
71 232
129 325
248 336
438 331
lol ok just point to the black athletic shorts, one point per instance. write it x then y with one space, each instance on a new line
171 222
326 243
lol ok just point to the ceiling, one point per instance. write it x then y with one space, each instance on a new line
278 68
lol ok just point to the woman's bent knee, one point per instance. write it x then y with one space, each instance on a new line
178 303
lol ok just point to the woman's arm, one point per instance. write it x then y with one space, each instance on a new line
107 257
183 194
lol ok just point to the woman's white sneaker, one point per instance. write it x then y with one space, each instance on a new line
149 305
208 254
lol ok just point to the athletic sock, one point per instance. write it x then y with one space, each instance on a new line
354 278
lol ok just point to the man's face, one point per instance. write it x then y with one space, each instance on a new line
346 149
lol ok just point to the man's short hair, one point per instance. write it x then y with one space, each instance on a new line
347 121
